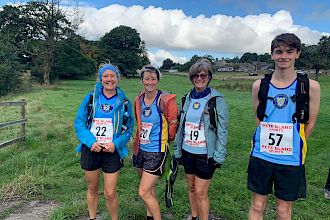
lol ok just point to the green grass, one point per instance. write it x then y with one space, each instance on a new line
48 168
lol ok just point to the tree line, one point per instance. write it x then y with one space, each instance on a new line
37 38
314 57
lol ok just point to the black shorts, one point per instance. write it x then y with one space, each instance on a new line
150 162
109 162
197 164
289 181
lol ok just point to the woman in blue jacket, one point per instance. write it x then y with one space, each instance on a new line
104 125
201 138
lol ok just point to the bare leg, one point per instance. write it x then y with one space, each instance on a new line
192 196
110 193
283 209
147 193
257 207
92 179
202 199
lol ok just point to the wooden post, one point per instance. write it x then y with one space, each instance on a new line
23 117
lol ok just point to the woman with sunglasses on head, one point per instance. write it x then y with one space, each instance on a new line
156 116
201 138
104 125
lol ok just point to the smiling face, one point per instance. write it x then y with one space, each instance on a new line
150 81
284 56
109 80
200 80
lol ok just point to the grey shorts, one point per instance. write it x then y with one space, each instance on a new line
150 162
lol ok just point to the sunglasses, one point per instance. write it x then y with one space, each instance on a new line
202 76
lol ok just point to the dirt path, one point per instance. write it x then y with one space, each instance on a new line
27 210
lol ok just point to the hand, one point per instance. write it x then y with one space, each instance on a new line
109 147
213 163
96 147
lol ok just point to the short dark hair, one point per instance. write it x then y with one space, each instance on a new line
149 68
288 39
202 64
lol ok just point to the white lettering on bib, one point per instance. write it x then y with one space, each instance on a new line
276 138
193 136
102 129
145 132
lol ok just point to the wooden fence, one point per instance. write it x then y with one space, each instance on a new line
21 122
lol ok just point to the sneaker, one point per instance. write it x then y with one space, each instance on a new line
326 193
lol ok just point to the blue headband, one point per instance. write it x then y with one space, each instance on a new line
109 67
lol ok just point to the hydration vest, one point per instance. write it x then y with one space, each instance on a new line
301 98
90 112
212 111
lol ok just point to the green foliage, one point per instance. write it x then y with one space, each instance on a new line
248 57
9 67
167 64
47 168
70 62
124 48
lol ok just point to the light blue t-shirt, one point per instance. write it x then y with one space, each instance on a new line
194 137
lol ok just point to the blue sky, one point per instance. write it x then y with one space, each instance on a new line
222 28
313 14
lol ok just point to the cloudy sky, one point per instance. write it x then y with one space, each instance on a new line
178 29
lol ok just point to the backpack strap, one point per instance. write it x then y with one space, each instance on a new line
302 99
212 104
125 116
89 107
263 96
183 100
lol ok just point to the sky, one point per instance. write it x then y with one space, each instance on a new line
178 29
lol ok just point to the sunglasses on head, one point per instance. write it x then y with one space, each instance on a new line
202 76
150 69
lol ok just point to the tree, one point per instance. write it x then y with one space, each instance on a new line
248 58
167 64
37 27
315 56
124 48
49 26
70 62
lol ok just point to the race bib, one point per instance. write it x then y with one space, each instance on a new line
193 136
145 133
102 129
276 138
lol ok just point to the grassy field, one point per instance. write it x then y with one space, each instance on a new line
48 168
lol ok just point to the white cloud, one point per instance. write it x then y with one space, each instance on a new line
158 57
173 30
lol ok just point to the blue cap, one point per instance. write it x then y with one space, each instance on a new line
109 67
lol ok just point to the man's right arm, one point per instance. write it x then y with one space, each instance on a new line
255 100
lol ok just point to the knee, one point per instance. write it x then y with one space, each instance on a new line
191 188
143 193
258 207
93 190
283 212
201 194
110 196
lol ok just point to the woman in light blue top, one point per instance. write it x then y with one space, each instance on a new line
200 142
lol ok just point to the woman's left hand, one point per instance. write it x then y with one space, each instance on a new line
109 147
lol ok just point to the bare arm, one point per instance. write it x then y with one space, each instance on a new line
255 100
314 106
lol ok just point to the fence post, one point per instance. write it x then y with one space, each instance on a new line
23 117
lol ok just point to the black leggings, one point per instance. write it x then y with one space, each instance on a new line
327 185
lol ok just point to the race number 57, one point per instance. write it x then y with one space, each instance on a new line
275 138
